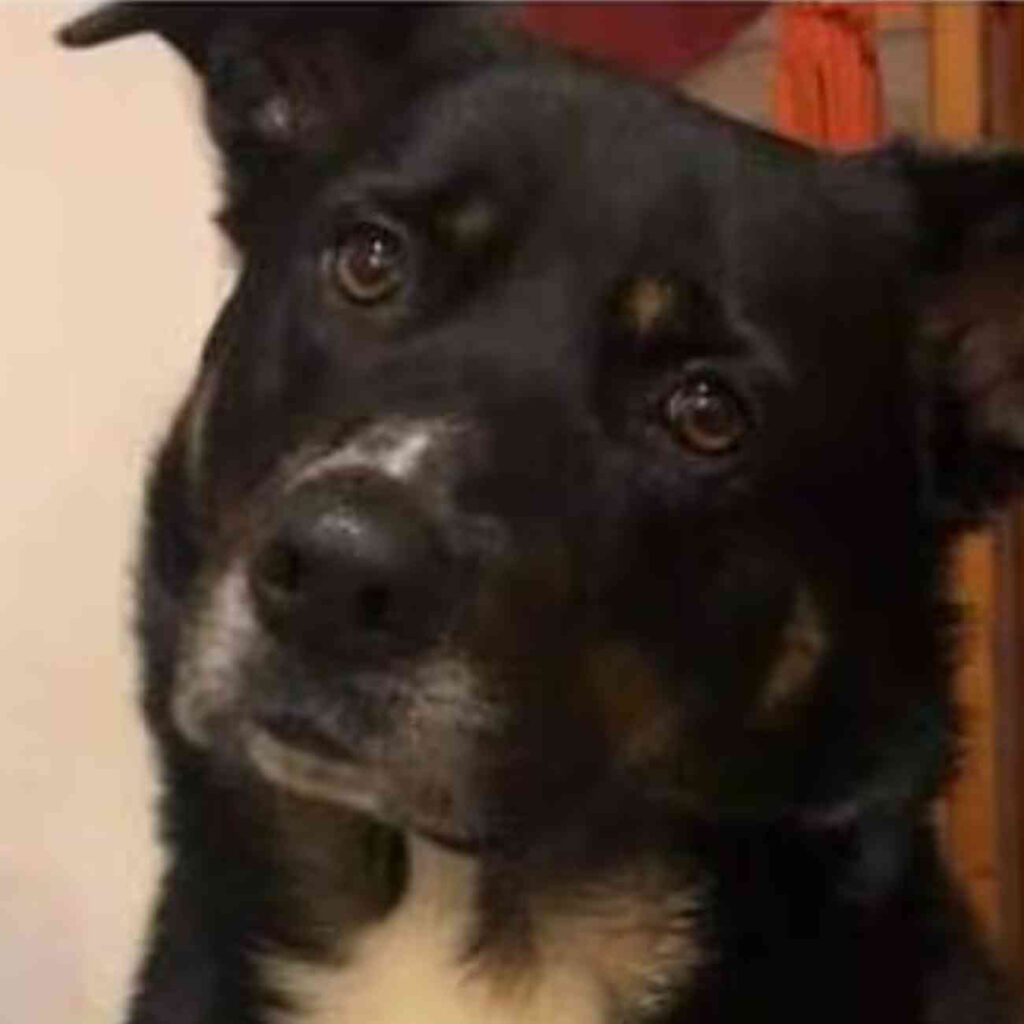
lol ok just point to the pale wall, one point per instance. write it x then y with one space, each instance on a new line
109 273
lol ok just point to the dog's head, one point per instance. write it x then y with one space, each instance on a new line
566 448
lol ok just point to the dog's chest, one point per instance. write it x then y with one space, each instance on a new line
412 968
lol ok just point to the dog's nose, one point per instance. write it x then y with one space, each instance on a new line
351 561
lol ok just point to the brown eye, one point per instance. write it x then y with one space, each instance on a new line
368 263
706 416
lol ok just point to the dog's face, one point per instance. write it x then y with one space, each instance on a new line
564 449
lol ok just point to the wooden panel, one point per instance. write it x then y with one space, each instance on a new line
956 71
957 103
1005 85
1007 731
971 812
1004 71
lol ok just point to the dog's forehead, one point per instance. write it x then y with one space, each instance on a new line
639 172
611 143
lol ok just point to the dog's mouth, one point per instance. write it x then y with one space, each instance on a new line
310 766
299 733
298 758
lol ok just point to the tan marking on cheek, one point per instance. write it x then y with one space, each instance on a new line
649 301
633 704
803 646
529 594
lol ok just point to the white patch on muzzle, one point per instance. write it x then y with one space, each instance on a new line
208 681
405 450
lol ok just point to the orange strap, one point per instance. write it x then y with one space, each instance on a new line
827 84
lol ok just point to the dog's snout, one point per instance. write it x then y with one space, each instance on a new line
348 561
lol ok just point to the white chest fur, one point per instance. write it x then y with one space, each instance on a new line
410 970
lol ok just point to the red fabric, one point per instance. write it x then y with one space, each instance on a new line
659 40
827 84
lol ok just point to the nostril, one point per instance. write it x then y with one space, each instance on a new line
372 608
280 572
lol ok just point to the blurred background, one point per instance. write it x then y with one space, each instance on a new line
113 273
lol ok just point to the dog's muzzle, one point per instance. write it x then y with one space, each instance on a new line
326 651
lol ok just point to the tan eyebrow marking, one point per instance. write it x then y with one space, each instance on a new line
471 222
648 301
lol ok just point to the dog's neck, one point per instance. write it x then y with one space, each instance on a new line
618 944
568 930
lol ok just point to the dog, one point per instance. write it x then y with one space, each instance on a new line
544 586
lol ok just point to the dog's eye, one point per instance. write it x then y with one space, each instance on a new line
706 416
368 263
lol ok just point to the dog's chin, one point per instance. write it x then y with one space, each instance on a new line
333 778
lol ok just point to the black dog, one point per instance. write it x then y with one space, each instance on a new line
543 592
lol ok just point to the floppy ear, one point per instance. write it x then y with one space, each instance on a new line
969 242
283 82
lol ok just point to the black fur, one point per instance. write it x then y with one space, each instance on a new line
626 601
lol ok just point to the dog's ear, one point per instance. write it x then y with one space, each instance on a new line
283 81
969 255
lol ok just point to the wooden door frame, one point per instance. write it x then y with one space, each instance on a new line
976 92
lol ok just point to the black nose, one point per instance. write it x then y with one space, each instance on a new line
349 562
